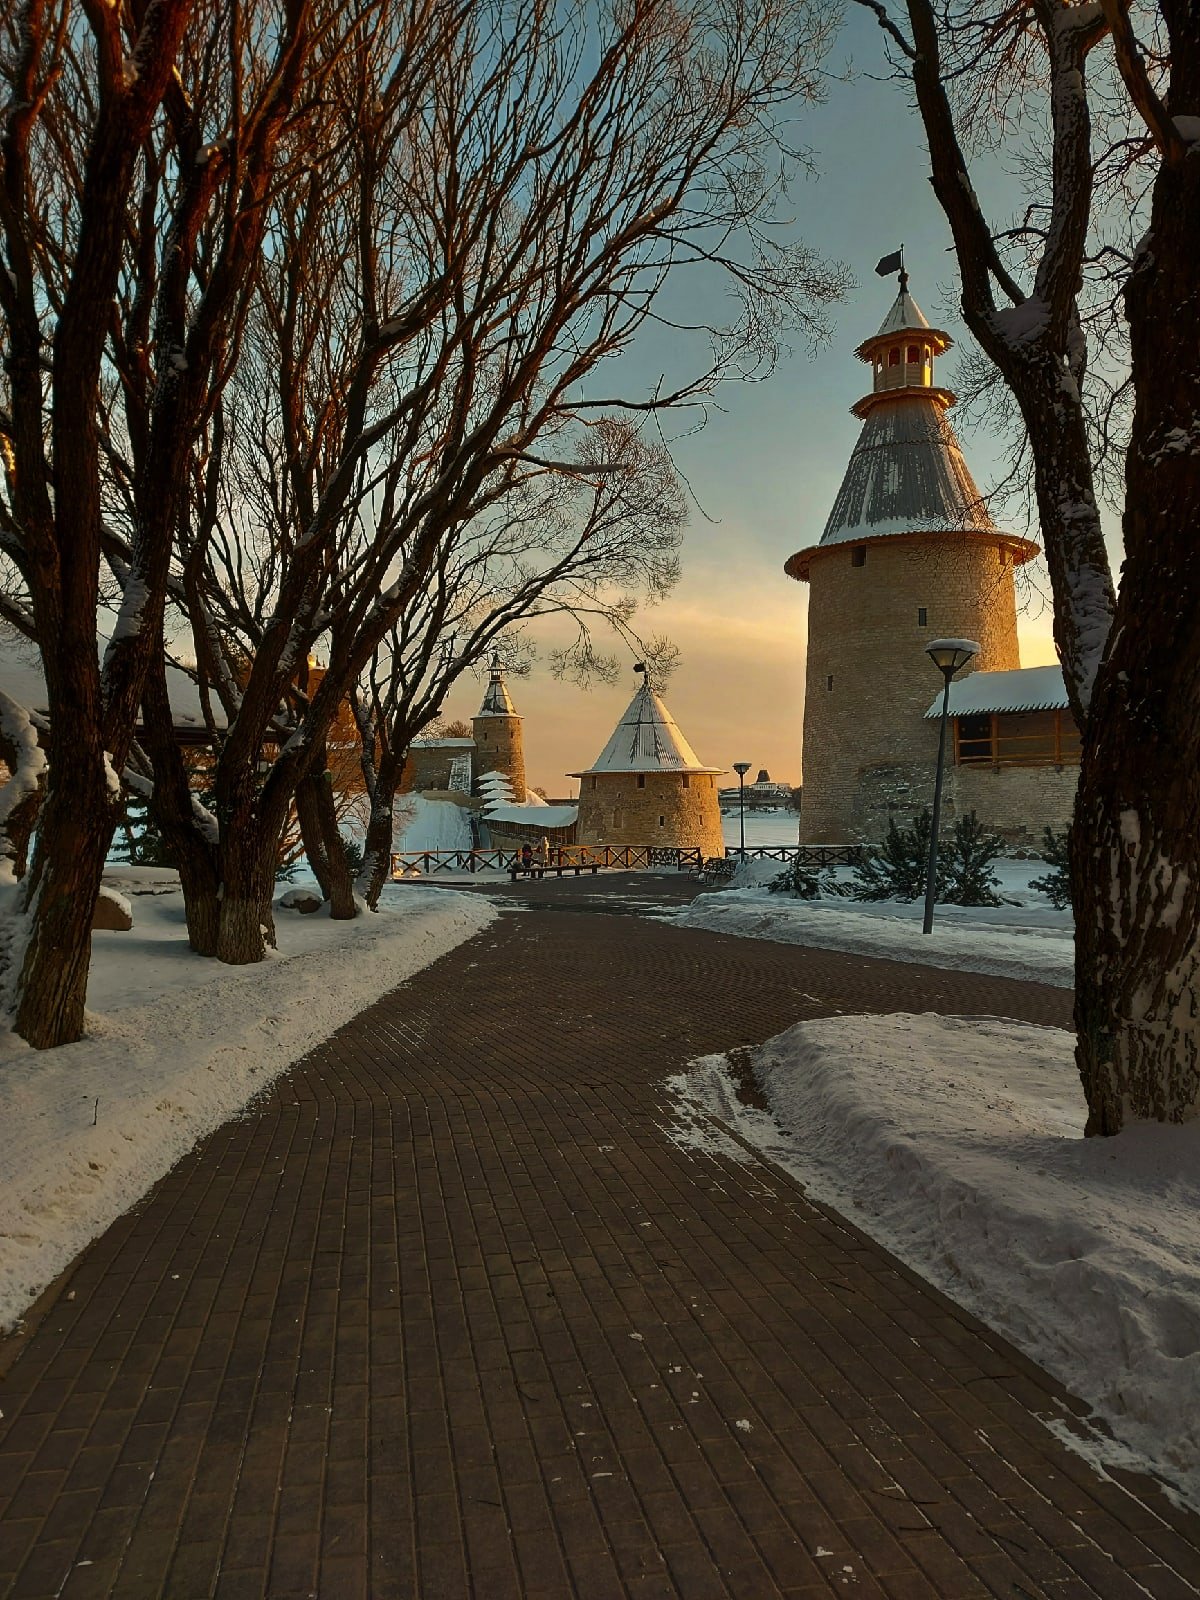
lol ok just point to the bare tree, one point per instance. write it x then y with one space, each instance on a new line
1131 662
502 198
139 146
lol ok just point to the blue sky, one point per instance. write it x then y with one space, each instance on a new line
767 468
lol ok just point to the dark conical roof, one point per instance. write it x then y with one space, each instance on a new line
497 702
906 475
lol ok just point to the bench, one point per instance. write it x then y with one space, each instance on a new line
719 869
539 871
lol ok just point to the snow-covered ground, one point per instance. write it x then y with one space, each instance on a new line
957 1143
1024 938
175 1046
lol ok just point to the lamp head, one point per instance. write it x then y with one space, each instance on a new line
741 768
951 655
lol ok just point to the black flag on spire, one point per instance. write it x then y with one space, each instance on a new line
890 264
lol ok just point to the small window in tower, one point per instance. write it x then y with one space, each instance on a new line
685 780
641 780
662 822
894 356
922 617
829 681
593 783
914 353
858 556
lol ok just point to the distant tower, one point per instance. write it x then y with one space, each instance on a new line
647 786
909 554
499 746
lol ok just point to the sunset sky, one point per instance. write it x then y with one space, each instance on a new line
765 470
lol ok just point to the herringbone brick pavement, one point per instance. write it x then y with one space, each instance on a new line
447 1313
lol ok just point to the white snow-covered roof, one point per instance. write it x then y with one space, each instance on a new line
443 744
542 816
21 677
647 739
1022 689
905 314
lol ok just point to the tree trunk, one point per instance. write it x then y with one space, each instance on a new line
172 807
312 834
247 923
377 849
1135 856
74 833
337 885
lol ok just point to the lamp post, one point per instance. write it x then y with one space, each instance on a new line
948 656
742 768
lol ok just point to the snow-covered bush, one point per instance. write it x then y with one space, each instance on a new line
896 869
967 869
1056 885
800 880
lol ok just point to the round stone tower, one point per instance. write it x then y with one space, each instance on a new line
909 554
647 786
499 746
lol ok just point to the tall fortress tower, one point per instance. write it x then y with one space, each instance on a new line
499 745
909 554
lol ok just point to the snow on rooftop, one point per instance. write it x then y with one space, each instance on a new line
22 678
443 744
535 816
1022 689
647 739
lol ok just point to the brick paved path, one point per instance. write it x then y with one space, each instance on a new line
448 1315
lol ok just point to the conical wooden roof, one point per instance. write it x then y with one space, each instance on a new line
647 739
906 475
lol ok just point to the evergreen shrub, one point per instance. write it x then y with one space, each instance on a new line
969 852
896 869
1056 885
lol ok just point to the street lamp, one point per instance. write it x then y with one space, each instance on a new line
948 656
742 768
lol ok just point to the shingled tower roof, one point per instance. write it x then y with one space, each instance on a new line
646 739
906 475
497 702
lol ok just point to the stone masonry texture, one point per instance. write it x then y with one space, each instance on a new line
670 809
500 747
865 637
448 1314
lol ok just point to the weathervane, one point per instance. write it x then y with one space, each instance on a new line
893 263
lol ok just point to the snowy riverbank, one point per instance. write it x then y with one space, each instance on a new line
1024 938
957 1143
175 1046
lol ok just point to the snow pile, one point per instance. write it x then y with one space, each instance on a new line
180 1046
424 823
957 1143
1024 938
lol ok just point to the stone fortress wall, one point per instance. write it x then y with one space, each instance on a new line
869 681
668 807
428 763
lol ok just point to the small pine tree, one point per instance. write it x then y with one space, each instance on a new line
969 879
799 880
1057 882
137 841
897 869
